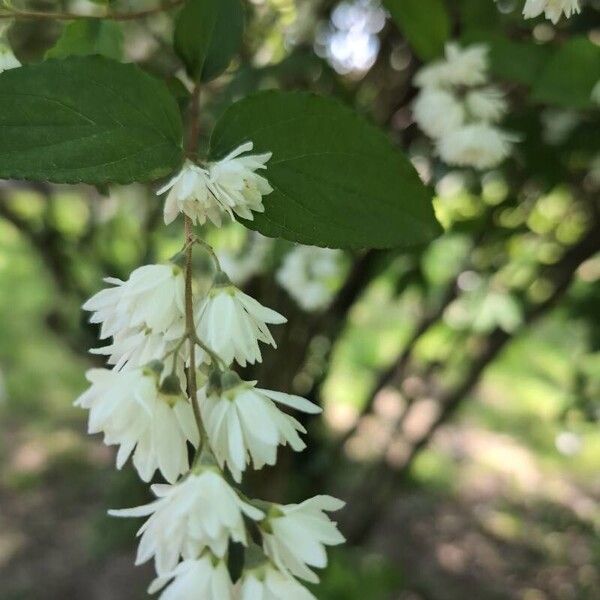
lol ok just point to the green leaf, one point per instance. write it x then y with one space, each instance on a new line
520 62
87 119
338 180
425 24
570 75
208 33
89 36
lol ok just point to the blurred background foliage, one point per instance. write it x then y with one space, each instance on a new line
460 382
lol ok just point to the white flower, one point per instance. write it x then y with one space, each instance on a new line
268 583
486 104
191 193
553 9
461 66
152 298
295 535
248 261
595 96
309 275
244 423
558 124
129 409
7 58
137 346
206 578
438 112
232 323
237 185
230 186
478 145
201 511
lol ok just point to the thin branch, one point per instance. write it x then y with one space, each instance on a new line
380 477
16 13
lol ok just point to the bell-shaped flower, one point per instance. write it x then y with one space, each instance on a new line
478 145
244 423
8 60
152 298
232 323
460 67
206 577
266 582
201 511
295 535
191 193
129 408
552 9
486 104
438 111
237 184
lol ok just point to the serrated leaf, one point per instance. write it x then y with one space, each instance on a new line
87 119
89 36
338 180
570 75
424 23
208 33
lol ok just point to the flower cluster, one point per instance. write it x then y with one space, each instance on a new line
230 187
459 110
552 9
172 393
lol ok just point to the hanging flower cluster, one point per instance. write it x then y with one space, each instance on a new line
552 9
172 388
459 110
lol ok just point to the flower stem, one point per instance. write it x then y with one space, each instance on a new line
190 329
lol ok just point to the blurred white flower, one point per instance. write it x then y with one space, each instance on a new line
438 112
486 104
244 423
295 535
269 583
558 124
129 409
478 145
552 9
309 275
7 58
461 66
596 93
190 193
237 185
248 262
232 323
201 511
152 298
206 577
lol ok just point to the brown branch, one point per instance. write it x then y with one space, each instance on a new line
386 482
16 13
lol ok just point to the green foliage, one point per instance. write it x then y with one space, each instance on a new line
208 33
425 23
358 576
518 61
570 75
86 119
338 181
89 36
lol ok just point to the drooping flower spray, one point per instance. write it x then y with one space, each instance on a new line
172 385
